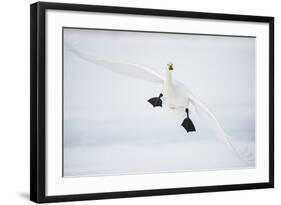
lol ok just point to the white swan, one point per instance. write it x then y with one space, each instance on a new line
176 97
174 94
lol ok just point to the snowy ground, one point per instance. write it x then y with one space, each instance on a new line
133 159
92 149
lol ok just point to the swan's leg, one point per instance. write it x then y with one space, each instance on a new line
187 123
156 101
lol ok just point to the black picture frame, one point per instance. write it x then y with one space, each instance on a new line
38 101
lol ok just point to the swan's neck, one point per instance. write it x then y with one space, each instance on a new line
168 89
168 85
168 77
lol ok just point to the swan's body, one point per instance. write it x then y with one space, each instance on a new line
176 97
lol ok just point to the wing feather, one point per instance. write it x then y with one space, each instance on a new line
204 111
120 67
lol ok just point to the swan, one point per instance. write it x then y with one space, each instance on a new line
174 97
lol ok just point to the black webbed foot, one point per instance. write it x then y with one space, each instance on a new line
187 123
156 101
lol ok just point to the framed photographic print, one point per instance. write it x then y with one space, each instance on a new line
129 102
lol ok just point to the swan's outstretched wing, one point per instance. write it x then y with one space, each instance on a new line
121 67
205 112
201 109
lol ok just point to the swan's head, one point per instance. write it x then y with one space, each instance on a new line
170 66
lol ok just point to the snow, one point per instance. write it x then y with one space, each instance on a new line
138 146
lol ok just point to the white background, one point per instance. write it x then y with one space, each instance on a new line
14 109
